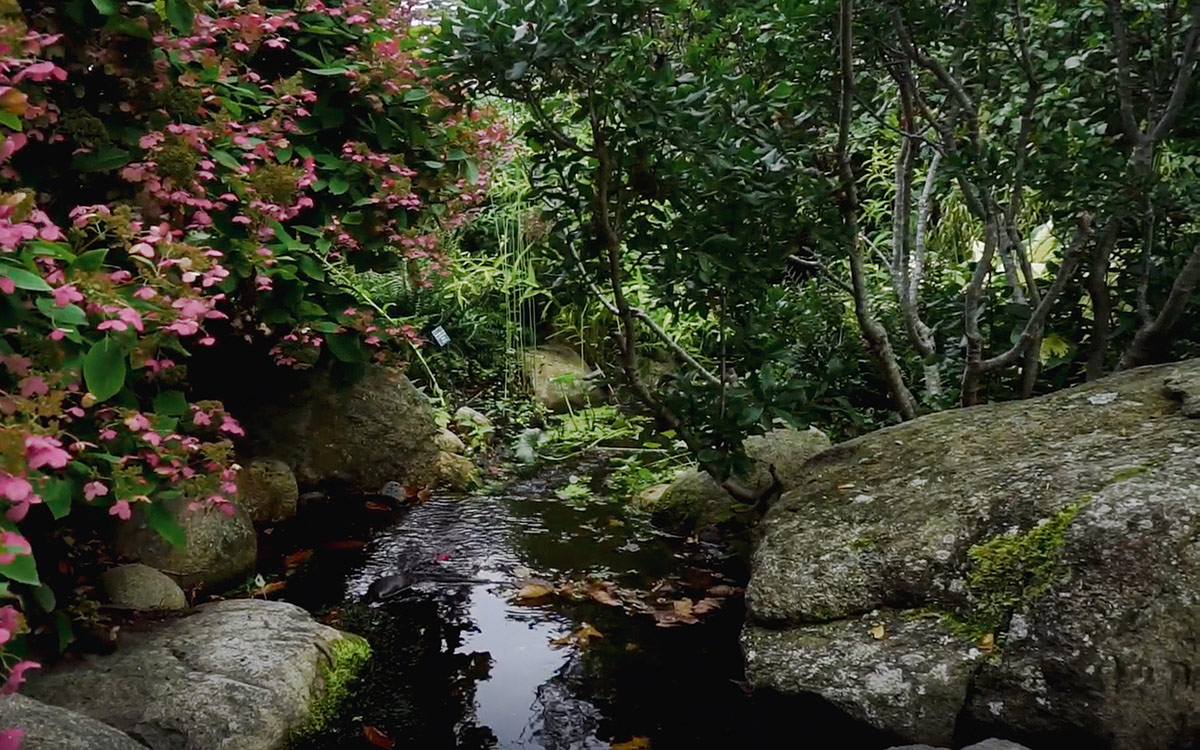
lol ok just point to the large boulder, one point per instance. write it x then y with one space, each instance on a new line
141 587
1032 566
47 727
694 499
366 433
559 377
221 550
236 675
268 491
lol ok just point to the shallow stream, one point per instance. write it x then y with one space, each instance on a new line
461 661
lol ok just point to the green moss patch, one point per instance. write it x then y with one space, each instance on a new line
1013 569
347 657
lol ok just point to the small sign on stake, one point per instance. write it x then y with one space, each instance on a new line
440 336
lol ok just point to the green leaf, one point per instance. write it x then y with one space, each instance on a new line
171 403
161 520
56 493
44 596
181 15
104 368
416 94
11 121
346 346
334 71
338 184
22 570
23 279
104 160
106 7
90 261
225 159
310 268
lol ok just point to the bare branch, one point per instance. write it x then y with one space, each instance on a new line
1037 321
873 332
1152 339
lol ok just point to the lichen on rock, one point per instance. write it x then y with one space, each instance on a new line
1066 527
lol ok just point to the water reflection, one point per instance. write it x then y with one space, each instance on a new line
459 665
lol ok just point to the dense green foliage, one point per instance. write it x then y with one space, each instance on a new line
963 198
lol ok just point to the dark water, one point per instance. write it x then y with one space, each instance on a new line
458 663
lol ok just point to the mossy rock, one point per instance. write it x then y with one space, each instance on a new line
141 587
559 378
693 499
459 473
1060 531
220 551
268 491
365 433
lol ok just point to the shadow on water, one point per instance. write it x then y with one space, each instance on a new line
458 664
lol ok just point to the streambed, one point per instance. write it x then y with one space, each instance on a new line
461 662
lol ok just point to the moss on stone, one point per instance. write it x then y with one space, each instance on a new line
1130 473
1012 569
347 657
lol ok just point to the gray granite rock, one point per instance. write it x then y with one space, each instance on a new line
235 675
1066 528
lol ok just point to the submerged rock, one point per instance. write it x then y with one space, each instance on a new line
220 550
268 491
236 675
366 433
1064 531
141 587
559 378
49 727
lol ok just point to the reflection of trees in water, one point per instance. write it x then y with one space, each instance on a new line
415 689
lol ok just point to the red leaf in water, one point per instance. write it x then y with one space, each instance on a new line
378 738
377 507
296 559
443 557
345 544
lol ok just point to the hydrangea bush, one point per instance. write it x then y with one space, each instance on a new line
174 172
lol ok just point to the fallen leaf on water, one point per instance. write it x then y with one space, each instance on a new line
988 641
296 559
670 618
377 507
270 588
378 738
600 593
532 591
579 638
637 743
707 604
723 590
878 631
682 607
345 544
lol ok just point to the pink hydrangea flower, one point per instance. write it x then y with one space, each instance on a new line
10 739
230 425
16 676
10 622
121 510
43 450
13 544
93 490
